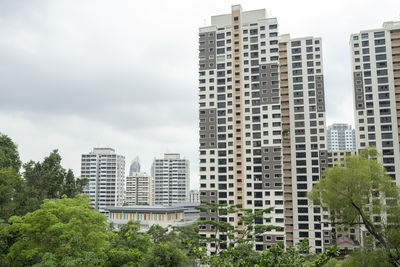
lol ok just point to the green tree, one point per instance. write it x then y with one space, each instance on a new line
227 234
9 157
296 257
48 179
242 255
189 241
334 263
167 255
367 258
158 234
63 232
128 246
358 191
12 193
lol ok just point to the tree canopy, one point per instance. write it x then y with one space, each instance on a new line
48 179
358 191
9 156
63 232
12 193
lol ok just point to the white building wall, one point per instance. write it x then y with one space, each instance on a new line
376 117
105 171
171 179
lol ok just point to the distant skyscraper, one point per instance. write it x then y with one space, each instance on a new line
376 81
262 124
341 137
105 171
171 179
139 189
135 166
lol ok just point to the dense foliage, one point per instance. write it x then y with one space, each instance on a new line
22 193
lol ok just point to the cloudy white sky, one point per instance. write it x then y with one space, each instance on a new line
75 74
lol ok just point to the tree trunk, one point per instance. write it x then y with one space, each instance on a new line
371 229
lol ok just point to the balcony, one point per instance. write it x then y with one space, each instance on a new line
284 76
287 174
288 189
395 42
289 213
287 197
395 35
396 58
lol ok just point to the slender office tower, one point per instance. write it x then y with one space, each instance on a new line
135 166
105 171
262 125
376 81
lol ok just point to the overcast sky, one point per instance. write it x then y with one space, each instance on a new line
77 74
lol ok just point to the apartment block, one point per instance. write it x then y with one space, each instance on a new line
304 138
376 84
171 179
105 171
341 136
262 124
139 189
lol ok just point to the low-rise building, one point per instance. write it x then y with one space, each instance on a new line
165 216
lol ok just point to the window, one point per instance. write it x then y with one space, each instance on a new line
379 34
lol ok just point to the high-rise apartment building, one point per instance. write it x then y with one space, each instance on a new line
376 81
171 179
135 166
341 137
262 124
105 171
304 138
139 189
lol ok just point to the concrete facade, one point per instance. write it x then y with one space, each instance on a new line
341 136
376 84
262 124
139 189
171 179
105 171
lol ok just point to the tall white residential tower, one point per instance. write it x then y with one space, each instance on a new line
105 171
171 179
376 82
262 124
